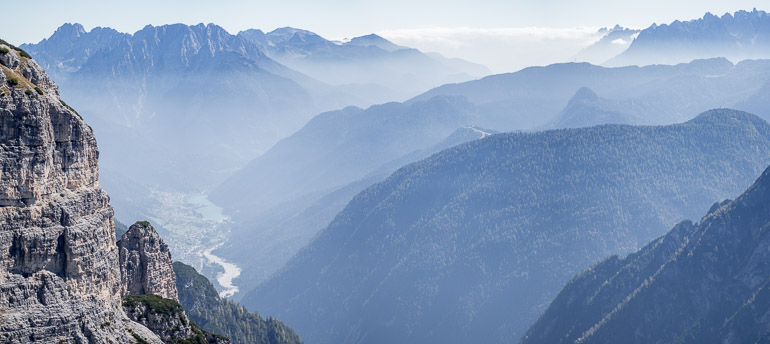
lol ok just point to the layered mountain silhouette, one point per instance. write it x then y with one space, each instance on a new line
587 109
703 282
535 96
298 186
369 67
192 101
196 102
294 190
738 36
472 243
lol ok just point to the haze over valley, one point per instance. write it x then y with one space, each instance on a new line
238 181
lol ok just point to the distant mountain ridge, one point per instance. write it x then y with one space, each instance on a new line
472 243
173 93
370 66
738 36
614 41
197 102
534 97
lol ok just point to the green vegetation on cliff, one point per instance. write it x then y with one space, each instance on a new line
214 314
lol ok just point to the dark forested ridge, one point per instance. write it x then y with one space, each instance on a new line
204 307
472 243
700 283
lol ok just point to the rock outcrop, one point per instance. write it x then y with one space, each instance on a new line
149 291
59 277
145 263
167 319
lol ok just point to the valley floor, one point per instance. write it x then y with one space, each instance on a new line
194 227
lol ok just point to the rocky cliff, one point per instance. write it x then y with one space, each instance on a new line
145 263
148 285
59 277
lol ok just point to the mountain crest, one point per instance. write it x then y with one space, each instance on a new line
68 32
739 36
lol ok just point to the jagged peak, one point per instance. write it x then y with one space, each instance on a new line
67 32
69 29
710 17
181 27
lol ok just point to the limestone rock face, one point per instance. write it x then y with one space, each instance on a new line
59 274
145 263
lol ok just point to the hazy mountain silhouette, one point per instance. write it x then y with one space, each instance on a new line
534 97
472 243
613 42
739 36
369 67
328 160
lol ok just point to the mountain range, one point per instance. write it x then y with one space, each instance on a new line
404 222
472 243
196 102
169 96
738 36
296 188
369 67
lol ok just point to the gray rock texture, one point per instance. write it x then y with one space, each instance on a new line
145 263
59 272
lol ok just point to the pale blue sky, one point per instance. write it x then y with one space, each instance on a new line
32 21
